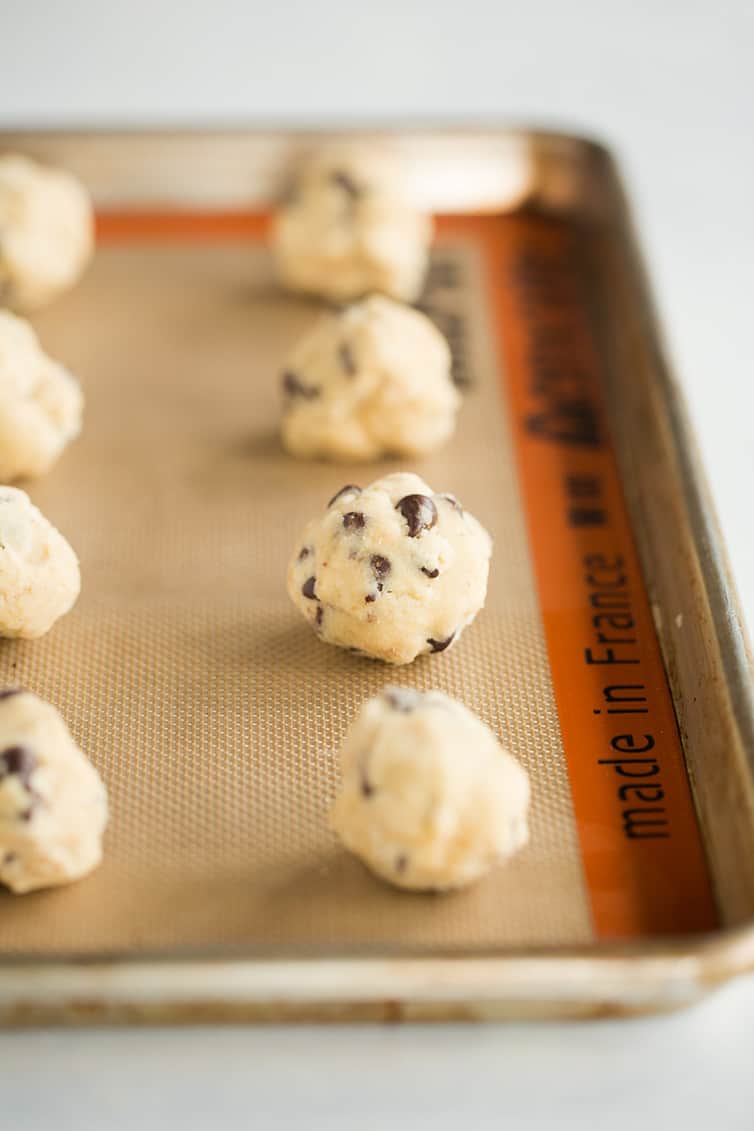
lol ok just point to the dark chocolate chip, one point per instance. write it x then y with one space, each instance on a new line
8 691
430 572
346 182
319 617
401 698
380 566
293 386
401 863
308 588
344 491
354 520
289 195
440 645
453 502
366 787
19 761
419 512
304 552
346 359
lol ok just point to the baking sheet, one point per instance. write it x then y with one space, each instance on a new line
212 711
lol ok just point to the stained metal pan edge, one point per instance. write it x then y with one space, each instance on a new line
612 980
616 981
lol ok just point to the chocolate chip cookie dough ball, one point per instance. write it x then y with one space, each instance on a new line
39 572
40 403
391 571
53 805
347 227
371 380
429 798
46 232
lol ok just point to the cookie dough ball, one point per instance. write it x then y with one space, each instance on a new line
371 380
430 800
391 571
39 572
347 227
46 232
40 403
53 805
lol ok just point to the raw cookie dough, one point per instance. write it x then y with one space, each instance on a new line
40 403
39 572
53 805
391 571
430 800
347 227
46 232
371 380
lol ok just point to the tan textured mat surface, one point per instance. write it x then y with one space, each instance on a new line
193 684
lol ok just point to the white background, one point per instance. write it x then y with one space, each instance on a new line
669 84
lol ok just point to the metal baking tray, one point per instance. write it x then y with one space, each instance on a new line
610 657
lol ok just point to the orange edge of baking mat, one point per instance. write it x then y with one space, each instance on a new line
117 226
641 848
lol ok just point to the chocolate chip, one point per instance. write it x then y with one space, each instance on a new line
293 386
304 552
308 588
349 487
346 182
401 863
366 787
354 520
19 761
9 857
440 645
289 195
319 617
419 512
401 698
380 566
8 691
430 572
346 359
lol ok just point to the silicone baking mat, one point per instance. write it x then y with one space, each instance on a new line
212 710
